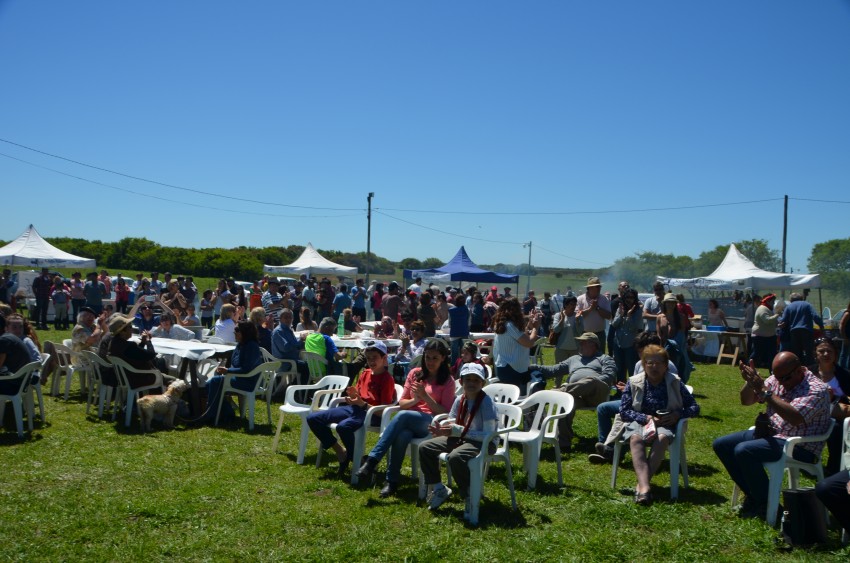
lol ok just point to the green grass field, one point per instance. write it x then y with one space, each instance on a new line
80 488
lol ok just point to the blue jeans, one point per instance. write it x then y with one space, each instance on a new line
405 426
348 419
605 413
743 455
844 358
507 374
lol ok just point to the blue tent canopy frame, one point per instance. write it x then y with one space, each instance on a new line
461 268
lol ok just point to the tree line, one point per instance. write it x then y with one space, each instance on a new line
831 259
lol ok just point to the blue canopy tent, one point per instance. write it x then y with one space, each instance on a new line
461 268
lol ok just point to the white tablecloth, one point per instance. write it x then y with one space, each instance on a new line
360 343
707 342
187 349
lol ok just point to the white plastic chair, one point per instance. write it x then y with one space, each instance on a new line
266 373
678 459
65 368
287 373
316 364
845 445
327 389
122 369
502 392
19 398
776 471
550 406
360 434
509 418
36 388
104 391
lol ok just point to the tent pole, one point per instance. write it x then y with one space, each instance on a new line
784 238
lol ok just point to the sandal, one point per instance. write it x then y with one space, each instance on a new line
643 499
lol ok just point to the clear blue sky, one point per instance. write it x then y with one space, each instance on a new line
489 108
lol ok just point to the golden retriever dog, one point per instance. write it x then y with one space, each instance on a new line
164 405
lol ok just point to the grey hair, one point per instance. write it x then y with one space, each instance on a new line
326 322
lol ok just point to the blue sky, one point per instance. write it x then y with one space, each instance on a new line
519 117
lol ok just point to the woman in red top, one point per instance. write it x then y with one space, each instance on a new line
122 296
374 386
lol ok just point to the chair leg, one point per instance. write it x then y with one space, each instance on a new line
221 399
19 415
615 463
251 405
475 477
531 459
359 447
302 441
674 469
276 441
68 377
776 474
28 402
558 461
131 399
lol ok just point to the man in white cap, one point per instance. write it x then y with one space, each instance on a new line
594 309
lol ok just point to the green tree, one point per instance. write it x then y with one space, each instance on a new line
432 263
410 264
831 259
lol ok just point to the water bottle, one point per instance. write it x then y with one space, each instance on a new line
340 327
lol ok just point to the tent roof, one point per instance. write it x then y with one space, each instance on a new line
737 272
30 249
311 262
462 268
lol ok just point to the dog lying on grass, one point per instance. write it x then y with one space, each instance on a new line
164 405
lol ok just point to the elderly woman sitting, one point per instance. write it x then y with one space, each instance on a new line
652 404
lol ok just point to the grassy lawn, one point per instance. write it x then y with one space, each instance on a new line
81 488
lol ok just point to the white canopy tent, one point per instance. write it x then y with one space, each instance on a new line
30 249
738 272
311 263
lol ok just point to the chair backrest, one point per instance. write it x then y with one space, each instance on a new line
549 403
536 351
45 359
503 392
316 364
507 416
94 362
119 366
267 356
67 342
845 447
63 355
330 383
25 373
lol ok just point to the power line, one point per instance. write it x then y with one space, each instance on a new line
571 257
166 185
193 204
817 200
446 232
588 212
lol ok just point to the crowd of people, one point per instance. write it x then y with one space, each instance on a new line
633 374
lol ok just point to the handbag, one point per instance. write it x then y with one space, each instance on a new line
762 427
803 521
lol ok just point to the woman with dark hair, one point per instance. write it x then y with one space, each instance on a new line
246 357
672 327
514 337
307 322
428 391
838 379
716 316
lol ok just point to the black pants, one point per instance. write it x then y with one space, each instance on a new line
832 492
41 304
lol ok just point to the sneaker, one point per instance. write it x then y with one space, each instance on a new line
597 459
438 497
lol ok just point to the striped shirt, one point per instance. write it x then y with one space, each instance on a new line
508 351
